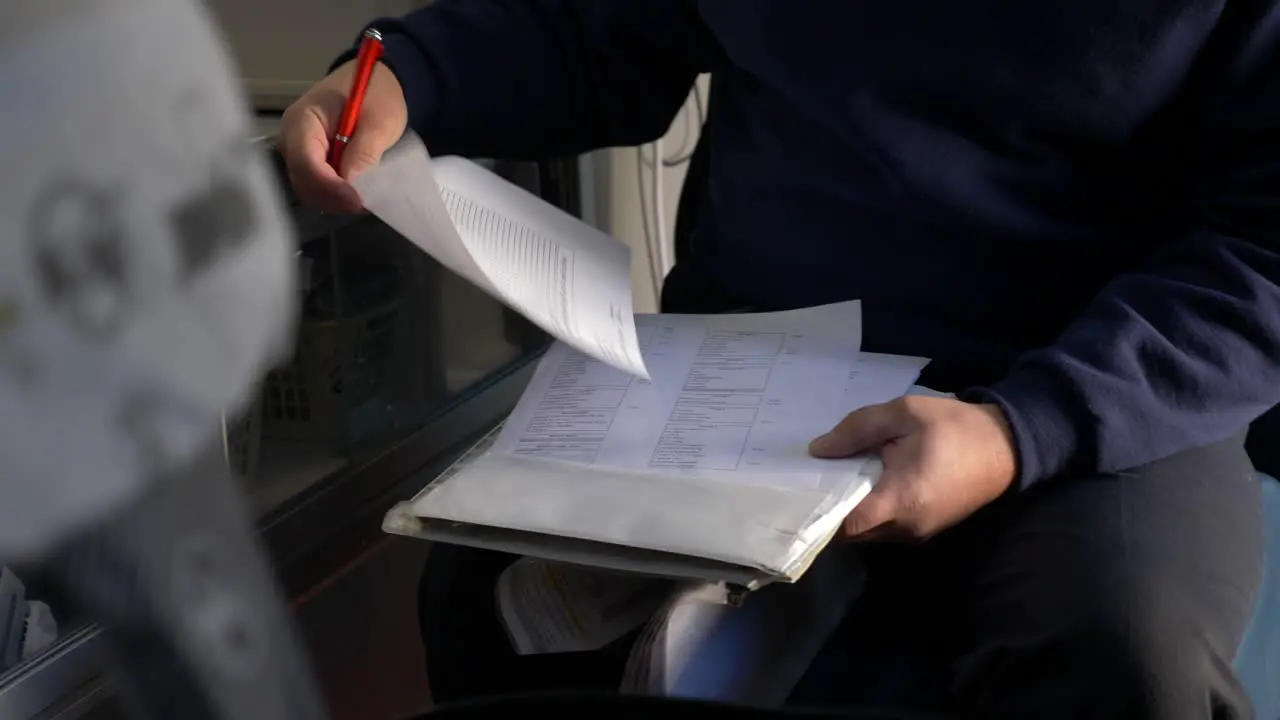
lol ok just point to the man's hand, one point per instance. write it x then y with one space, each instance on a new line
943 460
307 130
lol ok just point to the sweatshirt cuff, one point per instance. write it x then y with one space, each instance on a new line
407 60
1046 436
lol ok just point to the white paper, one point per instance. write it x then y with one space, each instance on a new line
550 607
565 276
735 398
876 378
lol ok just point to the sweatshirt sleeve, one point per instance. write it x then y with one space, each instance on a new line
539 78
1184 350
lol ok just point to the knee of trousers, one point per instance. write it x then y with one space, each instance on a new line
1162 660
1147 658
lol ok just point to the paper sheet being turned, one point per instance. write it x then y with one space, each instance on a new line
565 276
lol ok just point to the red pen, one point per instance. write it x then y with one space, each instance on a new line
368 56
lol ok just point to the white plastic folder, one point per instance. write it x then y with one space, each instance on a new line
701 472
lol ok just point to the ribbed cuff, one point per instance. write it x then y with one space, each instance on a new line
1045 435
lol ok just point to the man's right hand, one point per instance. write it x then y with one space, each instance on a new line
307 130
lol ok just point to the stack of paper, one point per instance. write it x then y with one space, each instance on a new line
700 472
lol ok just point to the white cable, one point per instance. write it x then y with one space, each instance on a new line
688 143
683 152
657 251
650 247
660 212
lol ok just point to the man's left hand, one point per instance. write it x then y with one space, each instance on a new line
943 460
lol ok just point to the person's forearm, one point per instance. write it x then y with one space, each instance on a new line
540 78
1184 350
1182 355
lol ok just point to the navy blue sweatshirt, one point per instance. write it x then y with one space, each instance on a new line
1071 205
